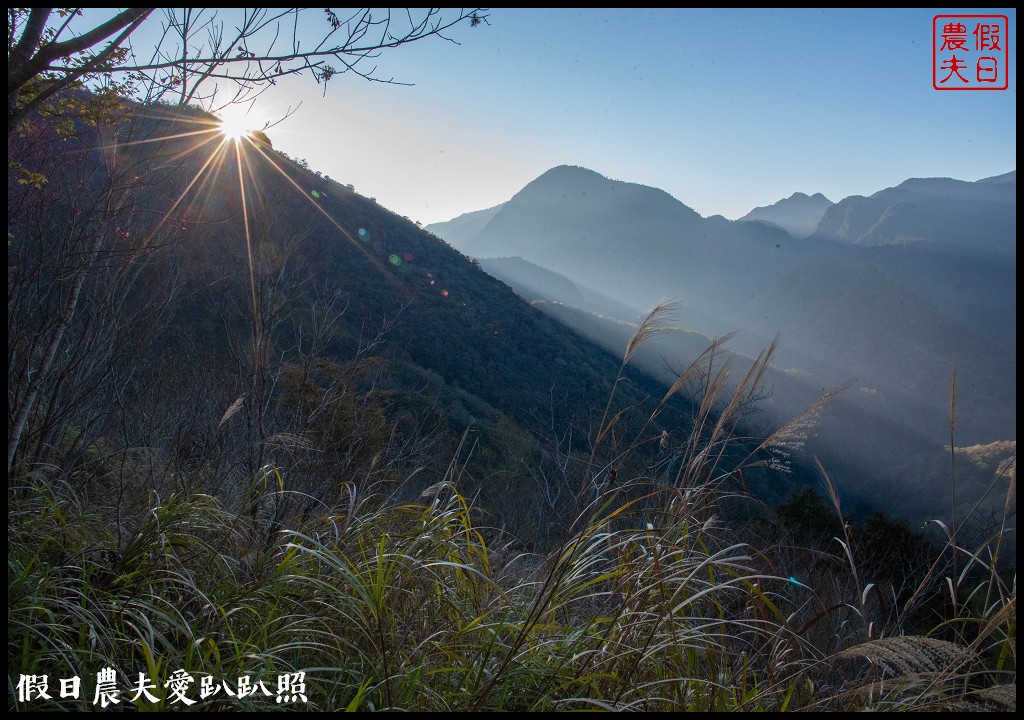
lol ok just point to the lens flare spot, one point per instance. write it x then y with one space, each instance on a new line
445 293
394 260
407 256
431 282
364 234
315 194
430 275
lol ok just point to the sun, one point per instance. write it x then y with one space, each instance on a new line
235 123
234 128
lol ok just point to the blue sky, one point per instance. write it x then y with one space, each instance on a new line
724 109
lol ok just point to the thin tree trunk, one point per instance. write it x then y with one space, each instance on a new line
43 371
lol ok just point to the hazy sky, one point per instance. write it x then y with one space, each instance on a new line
724 109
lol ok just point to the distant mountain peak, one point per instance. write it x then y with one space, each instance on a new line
799 214
573 185
572 176
571 170
569 175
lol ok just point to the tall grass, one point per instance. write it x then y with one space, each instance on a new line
649 602
399 607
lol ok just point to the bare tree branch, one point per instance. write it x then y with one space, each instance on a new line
196 47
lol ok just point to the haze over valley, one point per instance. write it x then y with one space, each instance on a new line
885 294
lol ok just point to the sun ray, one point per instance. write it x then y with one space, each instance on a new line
379 265
162 138
257 334
211 130
195 178
219 138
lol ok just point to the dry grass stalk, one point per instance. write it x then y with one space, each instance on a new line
235 407
912 655
998 698
656 322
